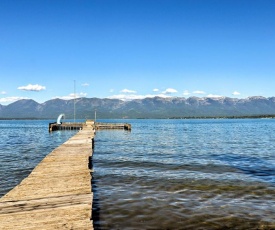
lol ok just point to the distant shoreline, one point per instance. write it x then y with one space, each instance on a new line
229 117
176 118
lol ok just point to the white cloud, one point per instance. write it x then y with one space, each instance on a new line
71 96
235 93
111 90
214 95
169 91
127 91
186 93
199 92
82 94
128 97
3 92
11 99
31 87
85 84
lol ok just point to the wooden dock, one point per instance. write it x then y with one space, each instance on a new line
79 125
66 126
57 194
100 125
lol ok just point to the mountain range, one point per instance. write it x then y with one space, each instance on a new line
156 107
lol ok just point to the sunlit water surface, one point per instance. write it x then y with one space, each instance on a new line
186 174
164 174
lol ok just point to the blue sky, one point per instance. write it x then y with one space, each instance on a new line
136 48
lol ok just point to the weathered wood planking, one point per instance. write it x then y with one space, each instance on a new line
57 194
100 125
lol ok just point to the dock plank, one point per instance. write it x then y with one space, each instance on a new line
57 194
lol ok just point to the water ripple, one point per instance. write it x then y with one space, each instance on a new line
186 174
23 144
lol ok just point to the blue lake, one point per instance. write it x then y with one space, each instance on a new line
164 174
23 144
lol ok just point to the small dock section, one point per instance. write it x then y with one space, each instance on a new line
66 126
100 125
57 194
79 125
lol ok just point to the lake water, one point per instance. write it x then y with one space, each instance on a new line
164 174
23 144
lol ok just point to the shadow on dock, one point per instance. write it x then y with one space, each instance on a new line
96 206
96 203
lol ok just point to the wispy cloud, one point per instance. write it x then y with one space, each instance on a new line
82 94
169 91
85 84
129 97
127 91
31 87
126 97
214 95
186 93
3 92
198 92
111 90
71 96
11 99
235 93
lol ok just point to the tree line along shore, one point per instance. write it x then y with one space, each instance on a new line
184 117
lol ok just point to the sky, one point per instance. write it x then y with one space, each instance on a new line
130 49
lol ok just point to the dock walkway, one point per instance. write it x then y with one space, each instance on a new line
57 194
